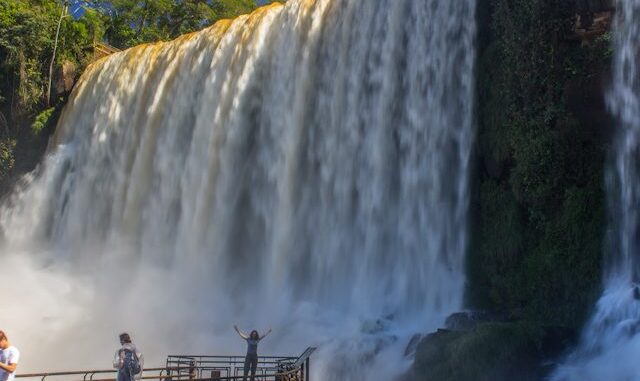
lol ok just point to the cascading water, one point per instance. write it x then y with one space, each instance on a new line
610 345
305 167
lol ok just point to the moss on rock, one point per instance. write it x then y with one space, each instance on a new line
492 351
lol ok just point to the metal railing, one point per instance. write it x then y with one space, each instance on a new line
90 375
199 368
232 367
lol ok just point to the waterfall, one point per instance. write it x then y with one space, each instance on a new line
304 167
610 345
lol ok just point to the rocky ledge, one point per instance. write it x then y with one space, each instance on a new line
479 346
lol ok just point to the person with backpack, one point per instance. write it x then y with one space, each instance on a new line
9 356
251 360
128 360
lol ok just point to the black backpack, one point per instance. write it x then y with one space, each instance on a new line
131 362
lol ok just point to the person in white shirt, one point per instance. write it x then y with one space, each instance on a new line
128 360
9 357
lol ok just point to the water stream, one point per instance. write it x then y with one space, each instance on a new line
305 167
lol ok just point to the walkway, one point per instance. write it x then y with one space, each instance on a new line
199 368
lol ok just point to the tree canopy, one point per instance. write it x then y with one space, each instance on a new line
132 22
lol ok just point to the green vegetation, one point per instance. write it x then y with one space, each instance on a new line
6 156
28 38
27 34
132 22
43 120
539 207
538 199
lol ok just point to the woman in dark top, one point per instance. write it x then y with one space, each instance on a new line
251 361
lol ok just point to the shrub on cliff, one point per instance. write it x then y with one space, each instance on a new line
538 207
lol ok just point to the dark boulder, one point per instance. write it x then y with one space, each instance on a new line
65 78
490 351
468 320
410 350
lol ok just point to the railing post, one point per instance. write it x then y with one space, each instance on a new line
192 370
307 366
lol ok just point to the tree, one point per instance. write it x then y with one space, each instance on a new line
63 14
133 22
36 36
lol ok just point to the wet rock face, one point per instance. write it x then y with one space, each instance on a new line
468 320
593 18
410 350
555 341
491 352
476 348
65 78
594 5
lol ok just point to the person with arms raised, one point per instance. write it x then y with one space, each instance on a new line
251 360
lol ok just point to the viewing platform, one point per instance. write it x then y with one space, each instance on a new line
199 368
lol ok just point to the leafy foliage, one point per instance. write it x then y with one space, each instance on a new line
6 156
42 120
133 22
539 213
